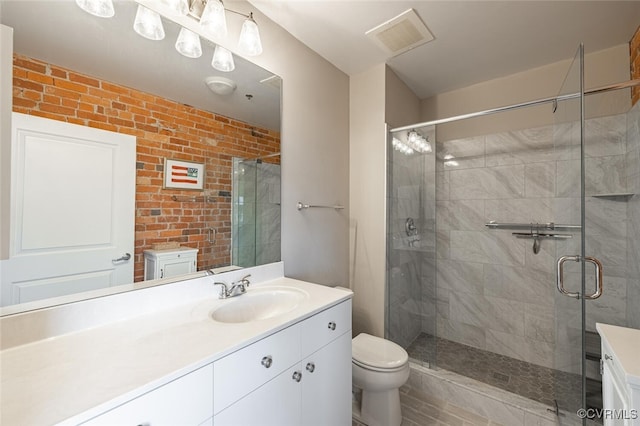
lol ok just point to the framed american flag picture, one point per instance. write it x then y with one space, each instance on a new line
183 174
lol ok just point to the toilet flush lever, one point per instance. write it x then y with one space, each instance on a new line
123 258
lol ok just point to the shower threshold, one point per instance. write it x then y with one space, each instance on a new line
541 384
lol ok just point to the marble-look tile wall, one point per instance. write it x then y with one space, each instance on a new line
410 255
493 292
256 213
633 217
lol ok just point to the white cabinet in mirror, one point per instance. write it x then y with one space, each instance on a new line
235 220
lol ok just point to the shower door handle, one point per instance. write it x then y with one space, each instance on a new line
560 276
598 266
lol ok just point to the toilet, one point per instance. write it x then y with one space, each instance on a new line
379 368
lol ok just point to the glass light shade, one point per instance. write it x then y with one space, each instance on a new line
250 43
181 7
188 44
100 8
222 60
148 24
213 19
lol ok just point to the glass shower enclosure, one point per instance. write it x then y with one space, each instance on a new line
499 243
255 237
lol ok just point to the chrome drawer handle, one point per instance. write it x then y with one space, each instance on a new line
297 376
608 357
332 325
267 361
311 367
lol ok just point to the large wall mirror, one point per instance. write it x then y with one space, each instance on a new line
96 72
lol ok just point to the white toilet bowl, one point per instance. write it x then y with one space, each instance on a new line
380 367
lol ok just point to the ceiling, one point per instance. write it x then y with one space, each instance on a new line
474 41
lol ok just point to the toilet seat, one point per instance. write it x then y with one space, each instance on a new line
376 354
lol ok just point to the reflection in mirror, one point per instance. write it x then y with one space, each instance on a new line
99 73
256 210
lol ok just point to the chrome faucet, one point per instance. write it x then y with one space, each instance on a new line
237 288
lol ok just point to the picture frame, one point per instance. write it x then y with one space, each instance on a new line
179 174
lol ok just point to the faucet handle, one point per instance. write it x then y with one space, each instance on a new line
245 280
224 291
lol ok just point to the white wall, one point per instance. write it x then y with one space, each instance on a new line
315 155
6 103
376 96
367 174
601 68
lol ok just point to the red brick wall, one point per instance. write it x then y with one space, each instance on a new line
634 53
163 128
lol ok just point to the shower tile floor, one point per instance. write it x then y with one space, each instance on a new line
529 380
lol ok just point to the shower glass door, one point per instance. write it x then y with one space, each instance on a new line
569 298
411 243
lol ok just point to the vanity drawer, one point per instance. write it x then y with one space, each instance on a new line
324 327
243 371
187 400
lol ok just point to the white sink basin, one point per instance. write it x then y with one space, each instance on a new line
259 304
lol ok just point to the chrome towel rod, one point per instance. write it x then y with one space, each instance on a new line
550 226
310 206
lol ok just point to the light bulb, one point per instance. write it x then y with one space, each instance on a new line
188 44
213 19
181 7
250 43
148 24
100 8
222 60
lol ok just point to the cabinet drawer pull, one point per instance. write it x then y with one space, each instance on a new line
608 357
311 367
297 376
332 325
267 361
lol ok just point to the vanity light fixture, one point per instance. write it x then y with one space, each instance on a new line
222 60
211 15
250 43
214 20
398 145
99 8
181 7
188 44
148 24
418 142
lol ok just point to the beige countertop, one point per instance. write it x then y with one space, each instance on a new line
72 377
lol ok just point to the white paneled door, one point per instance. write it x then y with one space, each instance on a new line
72 209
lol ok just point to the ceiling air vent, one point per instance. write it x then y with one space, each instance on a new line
402 33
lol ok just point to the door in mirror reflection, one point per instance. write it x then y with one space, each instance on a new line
72 208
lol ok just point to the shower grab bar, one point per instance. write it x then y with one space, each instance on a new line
536 235
550 226
301 206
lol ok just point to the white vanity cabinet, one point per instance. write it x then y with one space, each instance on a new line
313 389
169 263
620 375
187 400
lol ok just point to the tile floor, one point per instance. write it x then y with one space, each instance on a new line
529 380
419 409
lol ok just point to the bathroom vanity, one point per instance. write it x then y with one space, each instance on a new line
620 375
280 354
